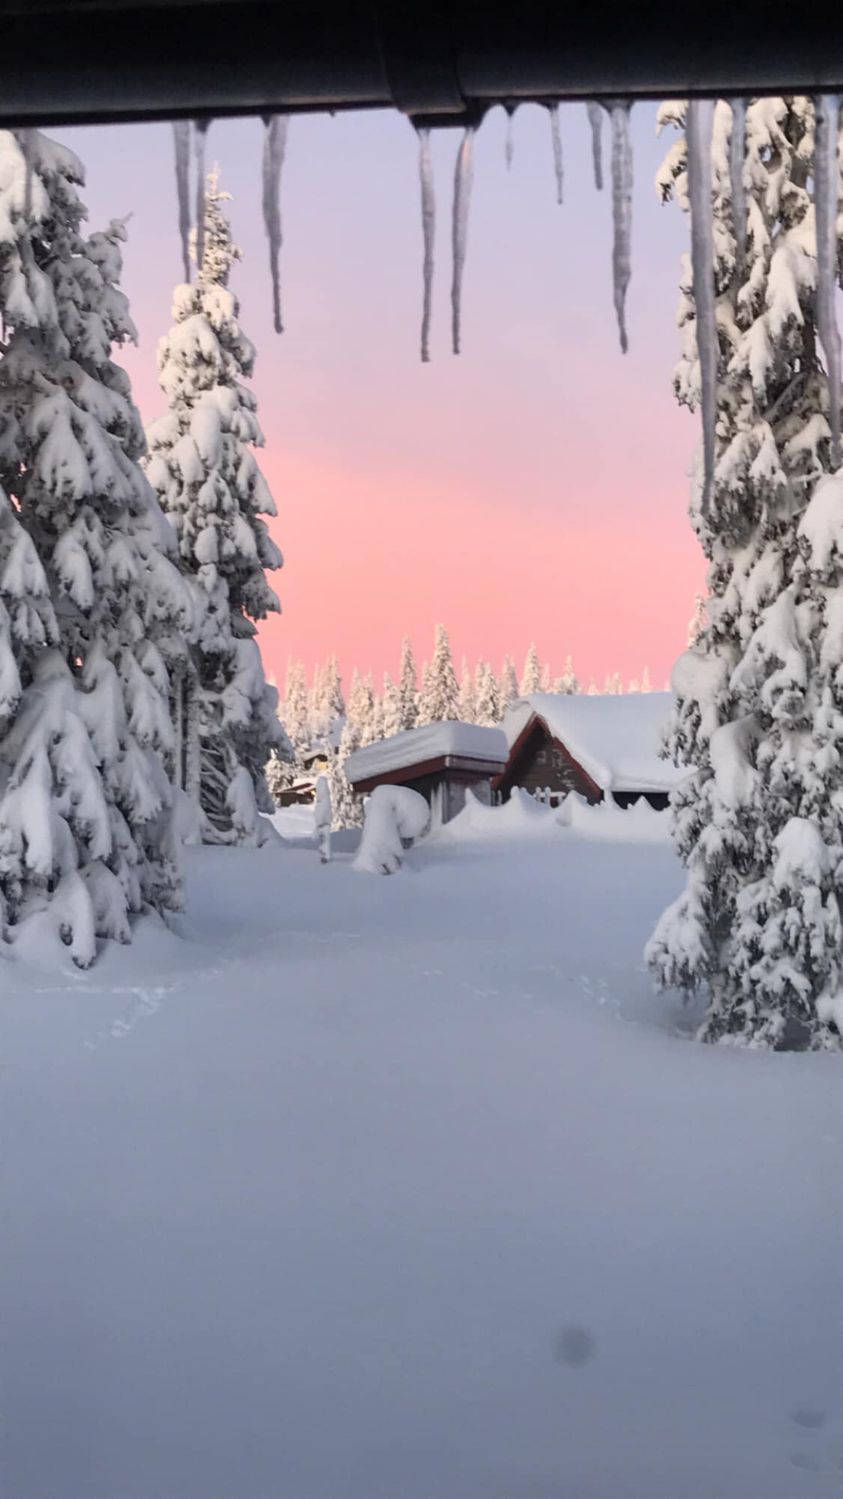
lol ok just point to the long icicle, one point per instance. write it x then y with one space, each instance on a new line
621 212
737 152
200 133
274 151
463 175
509 140
595 119
826 183
556 141
181 142
428 214
698 132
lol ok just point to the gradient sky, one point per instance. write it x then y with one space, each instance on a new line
535 488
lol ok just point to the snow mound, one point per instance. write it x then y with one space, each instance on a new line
615 737
523 817
395 816
435 741
639 823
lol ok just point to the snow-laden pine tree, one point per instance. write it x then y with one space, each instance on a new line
439 696
508 686
531 676
487 703
408 686
86 827
204 470
466 703
327 701
361 716
295 714
758 822
347 809
568 680
391 710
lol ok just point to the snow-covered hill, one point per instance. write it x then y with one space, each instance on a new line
408 1188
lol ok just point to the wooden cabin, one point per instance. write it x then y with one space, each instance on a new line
442 761
599 745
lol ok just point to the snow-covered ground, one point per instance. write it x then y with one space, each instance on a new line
409 1188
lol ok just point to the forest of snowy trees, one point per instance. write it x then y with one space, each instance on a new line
317 716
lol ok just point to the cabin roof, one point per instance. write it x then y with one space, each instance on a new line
615 737
465 744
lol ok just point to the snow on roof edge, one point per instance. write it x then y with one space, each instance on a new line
615 737
433 741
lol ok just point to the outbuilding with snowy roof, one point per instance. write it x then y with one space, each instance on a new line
599 745
441 761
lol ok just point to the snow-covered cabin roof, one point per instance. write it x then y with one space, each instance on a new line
615 737
445 742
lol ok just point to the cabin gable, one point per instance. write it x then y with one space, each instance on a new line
539 762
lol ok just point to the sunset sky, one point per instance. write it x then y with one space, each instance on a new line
535 488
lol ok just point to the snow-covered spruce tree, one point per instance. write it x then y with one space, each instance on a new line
203 467
85 818
568 680
360 716
408 686
347 809
391 714
487 703
508 686
758 822
531 676
466 703
439 697
327 704
295 713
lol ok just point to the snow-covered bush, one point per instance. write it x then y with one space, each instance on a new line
395 816
759 820
204 470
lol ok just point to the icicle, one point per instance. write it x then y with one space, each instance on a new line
595 117
556 140
827 109
509 142
698 131
274 150
621 212
181 141
459 229
200 132
737 151
428 212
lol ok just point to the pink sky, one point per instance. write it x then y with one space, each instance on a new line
534 488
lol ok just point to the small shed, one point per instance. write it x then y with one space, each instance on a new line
441 761
599 745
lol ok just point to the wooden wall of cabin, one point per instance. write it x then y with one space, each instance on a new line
445 790
543 763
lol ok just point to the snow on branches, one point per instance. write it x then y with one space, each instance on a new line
203 467
758 821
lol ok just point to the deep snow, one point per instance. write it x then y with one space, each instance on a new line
409 1188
